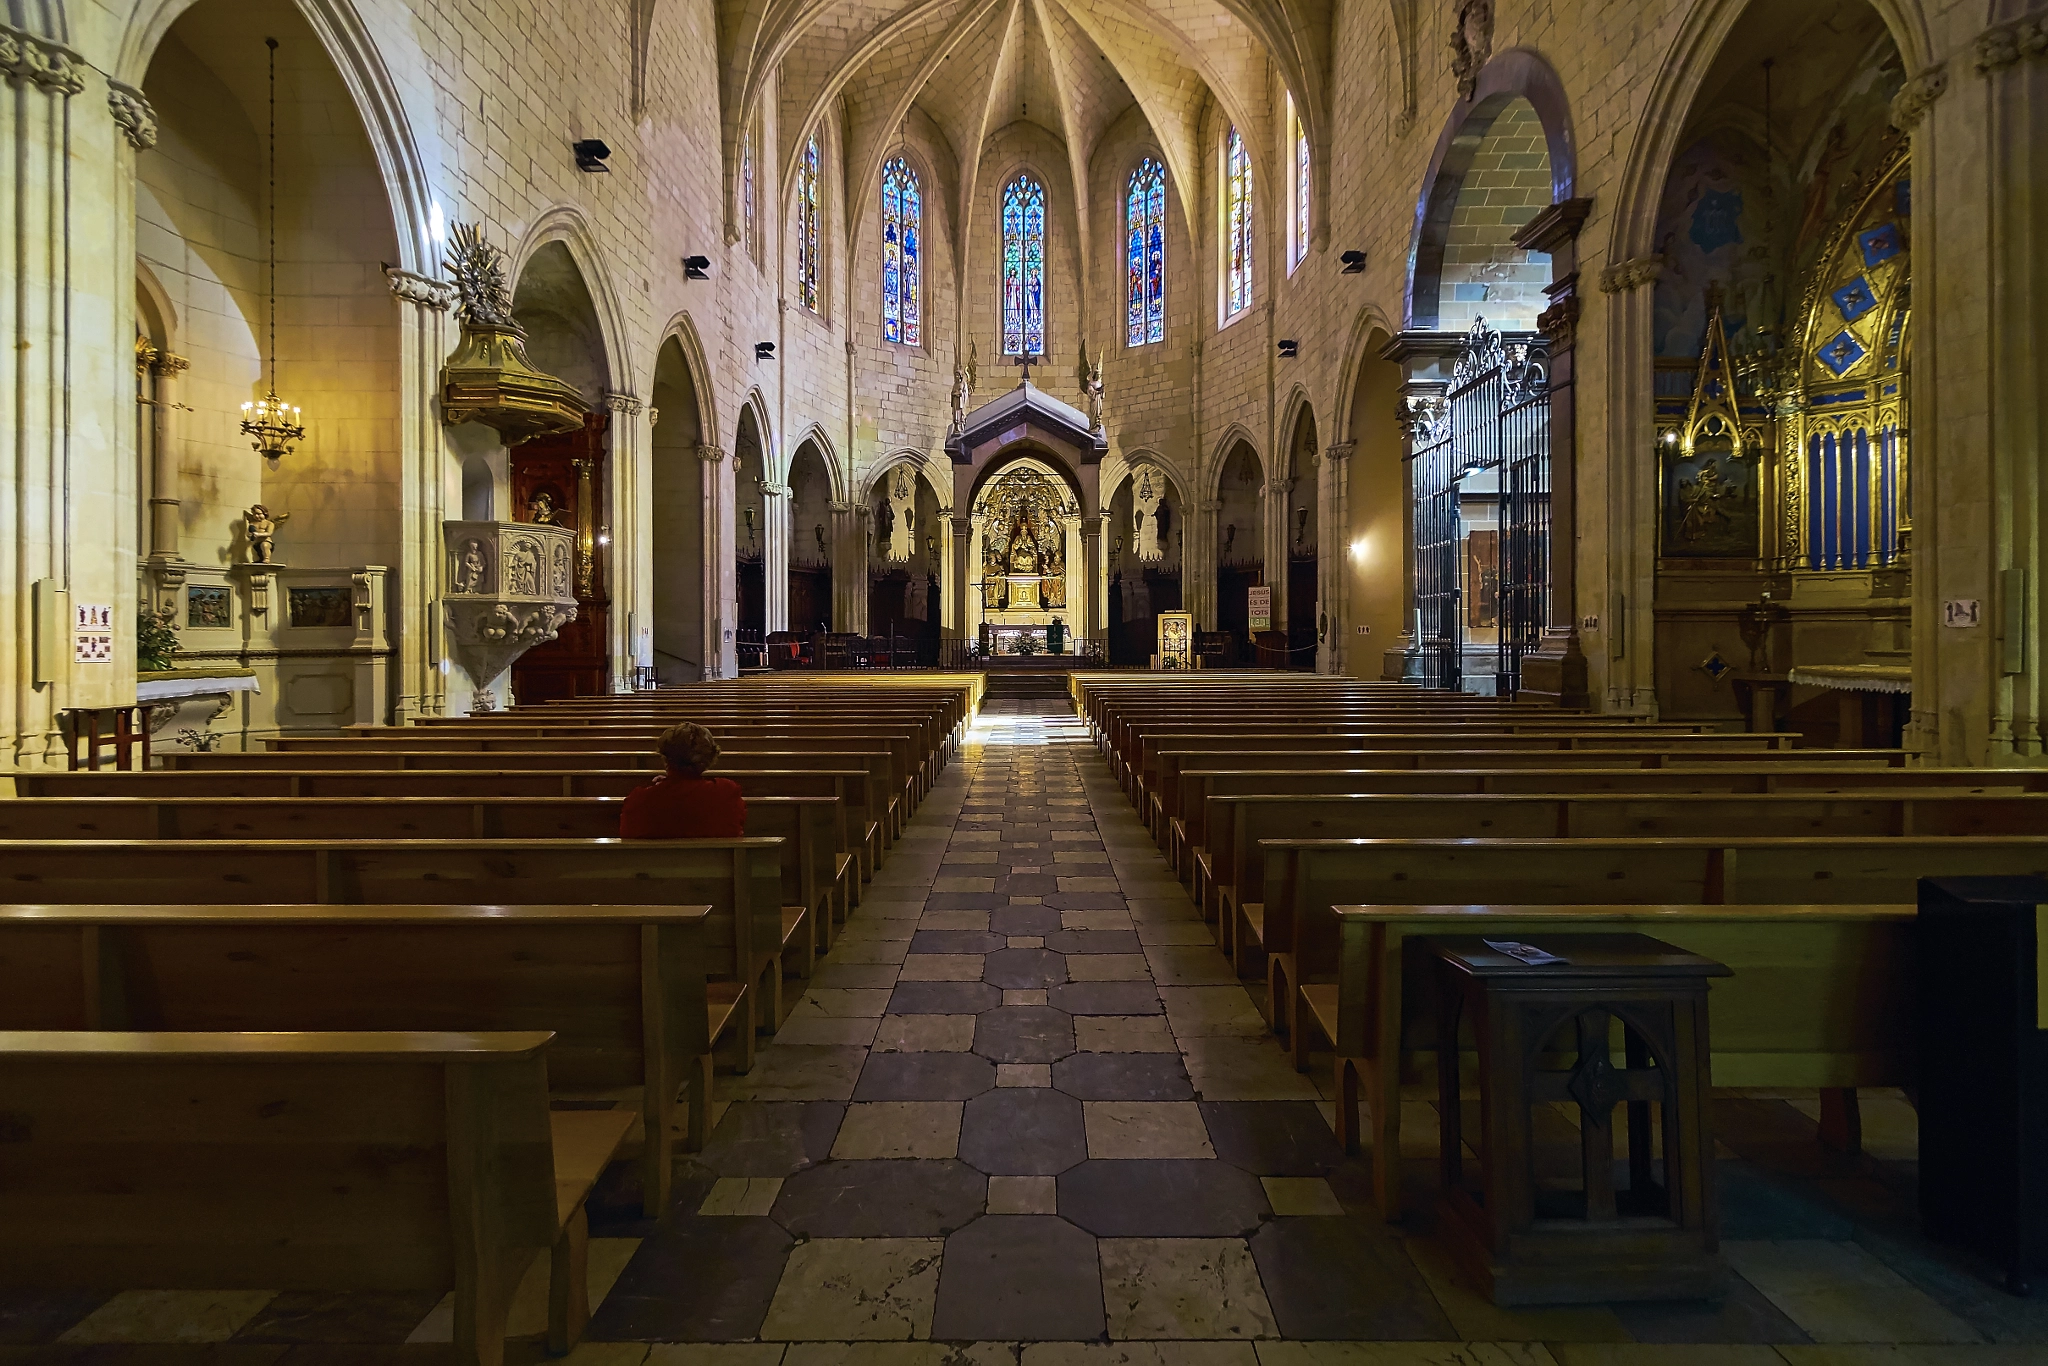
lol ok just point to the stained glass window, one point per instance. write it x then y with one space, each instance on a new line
1237 237
1024 268
902 266
1145 253
1301 164
747 188
807 225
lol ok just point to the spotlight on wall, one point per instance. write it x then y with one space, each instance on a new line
1354 262
1289 348
590 155
696 267
764 350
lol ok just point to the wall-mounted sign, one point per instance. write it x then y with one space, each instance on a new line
1260 605
1959 612
92 626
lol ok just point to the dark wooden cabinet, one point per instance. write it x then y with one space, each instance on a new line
547 477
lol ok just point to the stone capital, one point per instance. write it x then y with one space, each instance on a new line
2004 45
165 363
132 111
1339 452
423 290
711 455
769 490
1630 274
29 60
624 404
1917 96
1210 505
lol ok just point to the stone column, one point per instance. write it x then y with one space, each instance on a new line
1198 566
776 510
628 517
849 551
959 557
721 658
166 428
1556 673
1333 551
424 464
1279 539
1093 623
1426 360
1620 474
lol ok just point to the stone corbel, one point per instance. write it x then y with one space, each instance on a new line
1341 451
625 405
423 290
28 60
2006 44
711 455
769 490
1917 96
132 111
1631 274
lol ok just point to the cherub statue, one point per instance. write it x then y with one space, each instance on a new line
261 528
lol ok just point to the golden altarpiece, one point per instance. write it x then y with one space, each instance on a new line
1784 523
1024 522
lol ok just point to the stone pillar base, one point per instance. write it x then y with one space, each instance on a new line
1556 673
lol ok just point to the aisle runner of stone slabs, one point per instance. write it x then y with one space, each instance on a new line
1023 1099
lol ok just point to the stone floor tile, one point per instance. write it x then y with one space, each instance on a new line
1690 1354
1023 1195
953 921
800 1072
1345 1279
772 1138
1249 1069
1024 1034
1087 901
955 941
898 1128
882 1199
1180 933
837 973
841 1002
1094 941
900 1354
862 929
1027 901
1023 1131
943 998
976 837
1404 1354
963 884
1088 884
1164 910
964 901
1123 1034
1202 1288
924 1033
169 1316
1189 965
1024 968
1106 998
1140 1354
942 967
37 1316
856 1289
1161 1129
1108 967
1839 1292
932 1075
829 1030
1272 1138
1145 1198
847 951
1740 1314
1301 1196
705 1354
1020 883
1213 1012
737 1195
1123 1076
965 860
1024 1074
1023 996
1022 920
695 1280
1019 1277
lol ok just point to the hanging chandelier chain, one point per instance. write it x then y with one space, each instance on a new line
272 44
274 423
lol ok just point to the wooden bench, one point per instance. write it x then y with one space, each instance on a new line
740 880
1822 997
355 1162
622 987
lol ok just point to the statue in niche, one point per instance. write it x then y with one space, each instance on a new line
522 570
542 511
472 576
1471 44
261 528
561 571
1091 385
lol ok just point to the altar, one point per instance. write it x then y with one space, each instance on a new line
1026 639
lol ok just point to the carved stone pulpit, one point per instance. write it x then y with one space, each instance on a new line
509 586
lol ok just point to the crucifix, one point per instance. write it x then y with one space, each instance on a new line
1027 360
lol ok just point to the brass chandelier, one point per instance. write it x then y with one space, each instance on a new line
273 422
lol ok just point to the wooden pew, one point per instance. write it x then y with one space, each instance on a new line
1822 997
815 866
358 1162
622 987
740 880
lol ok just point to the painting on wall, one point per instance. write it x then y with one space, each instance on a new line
322 607
1176 640
207 607
1482 578
1710 503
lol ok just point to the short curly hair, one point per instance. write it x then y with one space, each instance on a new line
688 748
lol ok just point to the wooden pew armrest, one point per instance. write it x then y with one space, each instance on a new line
1319 999
584 1142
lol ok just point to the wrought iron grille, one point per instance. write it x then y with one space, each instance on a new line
1524 444
1433 476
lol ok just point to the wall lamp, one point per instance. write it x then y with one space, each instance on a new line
590 155
764 350
696 267
1354 262
1289 348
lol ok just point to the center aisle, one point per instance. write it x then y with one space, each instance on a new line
1024 1099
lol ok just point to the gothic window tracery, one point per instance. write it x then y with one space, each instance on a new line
1024 267
902 263
807 225
1237 222
1298 227
1145 254
747 189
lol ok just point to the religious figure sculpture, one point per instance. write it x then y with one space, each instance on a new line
470 578
1091 385
262 531
542 510
1471 44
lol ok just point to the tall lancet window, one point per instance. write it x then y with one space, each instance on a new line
807 225
1237 226
747 189
1024 268
1298 228
902 266
1145 252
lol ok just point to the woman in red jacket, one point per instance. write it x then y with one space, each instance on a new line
683 804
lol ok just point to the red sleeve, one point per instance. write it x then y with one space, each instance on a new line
634 814
738 808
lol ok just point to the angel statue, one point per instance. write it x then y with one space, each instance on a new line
1091 385
262 532
959 398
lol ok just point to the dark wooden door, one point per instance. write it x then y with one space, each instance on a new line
576 663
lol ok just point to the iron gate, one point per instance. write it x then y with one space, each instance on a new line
1495 417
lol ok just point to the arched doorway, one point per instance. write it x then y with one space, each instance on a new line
810 542
1026 567
683 650
750 541
904 597
562 478
1240 548
1304 552
1146 532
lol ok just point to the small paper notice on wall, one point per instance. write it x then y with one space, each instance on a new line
1259 608
92 625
